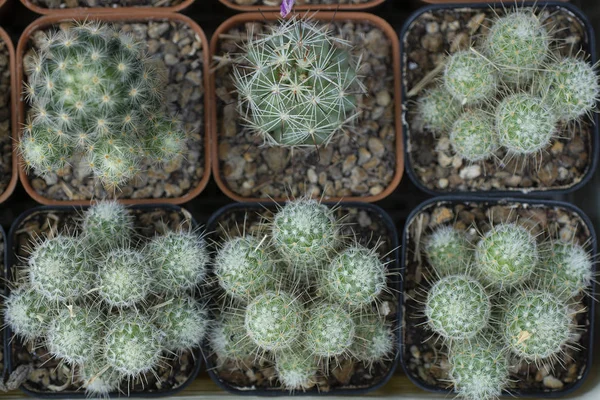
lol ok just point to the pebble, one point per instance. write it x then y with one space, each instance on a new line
552 383
312 176
443 183
384 98
376 147
470 172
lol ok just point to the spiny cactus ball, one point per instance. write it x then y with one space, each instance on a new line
107 224
438 110
537 325
59 268
567 269
296 370
75 334
355 277
297 85
525 124
93 91
448 251
274 320
99 378
473 136
184 323
124 278
329 330
517 44
28 313
229 339
373 339
506 256
457 307
469 79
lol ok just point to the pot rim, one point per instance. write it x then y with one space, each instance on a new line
128 10
304 7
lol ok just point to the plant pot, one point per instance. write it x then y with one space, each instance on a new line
370 223
475 214
37 222
76 6
462 1
173 183
566 165
8 163
302 7
247 171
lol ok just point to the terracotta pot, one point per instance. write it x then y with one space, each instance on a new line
109 10
136 15
303 7
321 16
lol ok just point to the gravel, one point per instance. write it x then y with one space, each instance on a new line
52 4
6 169
298 2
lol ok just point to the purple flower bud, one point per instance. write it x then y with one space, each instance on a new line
286 7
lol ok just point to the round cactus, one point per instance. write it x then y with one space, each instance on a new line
124 278
297 85
438 110
374 339
75 334
106 225
133 345
274 320
525 124
469 79
537 325
244 267
59 268
506 256
329 330
448 251
517 44
474 137
457 307
28 313
296 370
183 323
93 91
566 270
179 261
99 378
229 339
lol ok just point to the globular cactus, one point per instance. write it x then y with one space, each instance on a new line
106 225
329 330
93 91
355 278
506 256
245 267
473 136
448 251
179 261
457 307
537 325
525 124
99 378
566 270
298 84
59 268
273 320
517 44
28 313
373 339
296 369
124 278
229 339
438 110
469 78
183 322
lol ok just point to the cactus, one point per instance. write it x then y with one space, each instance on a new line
329 330
438 110
229 339
297 85
448 251
183 322
106 225
566 270
517 44
179 261
525 124
355 277
99 379
537 325
92 91
296 369
28 313
473 136
373 339
506 256
457 307
469 79
274 320
124 278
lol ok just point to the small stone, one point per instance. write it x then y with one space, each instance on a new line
443 183
194 76
552 383
276 158
349 163
312 176
441 215
157 30
444 160
432 27
383 98
432 42
375 190
414 350
376 146
343 372
470 172
363 156
566 234
557 147
170 59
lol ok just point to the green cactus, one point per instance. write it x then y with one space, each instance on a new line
438 110
106 225
229 339
183 322
473 136
296 369
124 278
469 78
329 330
99 379
448 251
566 270
374 339
28 313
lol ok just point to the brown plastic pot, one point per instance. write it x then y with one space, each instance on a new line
321 16
132 15
108 10
304 7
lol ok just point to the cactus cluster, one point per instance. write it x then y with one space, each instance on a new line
510 95
298 84
93 92
93 300
508 299
299 296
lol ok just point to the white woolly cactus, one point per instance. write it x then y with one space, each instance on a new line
296 369
183 322
297 85
506 256
473 136
99 378
124 278
179 261
356 277
59 268
438 110
107 224
374 339
28 313
457 307
244 267
329 330
537 325
525 124
229 339
566 270
469 78
274 320
448 251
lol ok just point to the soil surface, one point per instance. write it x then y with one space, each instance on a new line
105 3
6 168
